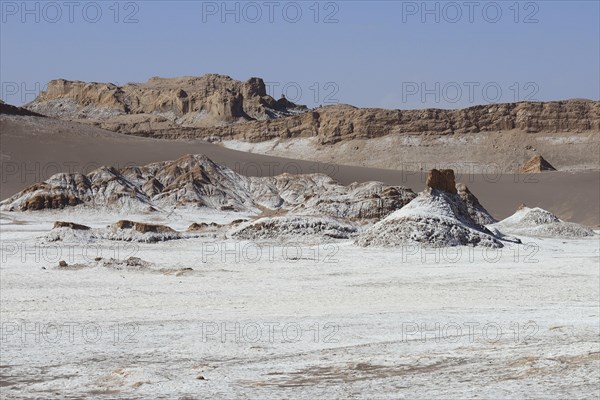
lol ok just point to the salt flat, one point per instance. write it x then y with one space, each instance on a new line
272 320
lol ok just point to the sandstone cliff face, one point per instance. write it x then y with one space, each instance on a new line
332 124
207 107
208 100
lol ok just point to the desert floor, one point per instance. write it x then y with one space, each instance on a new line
272 320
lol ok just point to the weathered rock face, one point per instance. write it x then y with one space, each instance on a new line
196 181
209 100
338 123
442 180
536 164
477 212
205 108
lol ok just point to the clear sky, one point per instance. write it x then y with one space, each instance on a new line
392 54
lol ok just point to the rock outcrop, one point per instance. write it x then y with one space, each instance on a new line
123 230
142 227
437 217
207 107
536 164
71 225
294 227
477 212
209 100
444 180
441 180
199 227
196 181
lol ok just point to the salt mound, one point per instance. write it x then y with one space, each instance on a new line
434 218
541 223
368 200
294 227
70 235
130 264
122 230
141 232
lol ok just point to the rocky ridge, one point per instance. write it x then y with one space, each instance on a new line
209 100
209 106
195 181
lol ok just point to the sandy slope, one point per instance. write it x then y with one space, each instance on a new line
518 322
505 150
32 149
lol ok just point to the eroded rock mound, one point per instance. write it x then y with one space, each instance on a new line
71 225
195 181
123 230
130 264
536 164
537 222
202 226
141 232
437 217
294 227
142 227
357 201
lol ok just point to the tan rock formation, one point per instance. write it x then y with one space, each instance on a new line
442 180
209 100
209 106
536 164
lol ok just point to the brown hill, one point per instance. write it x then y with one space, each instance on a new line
14 110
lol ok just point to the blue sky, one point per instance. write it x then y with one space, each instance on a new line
369 54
